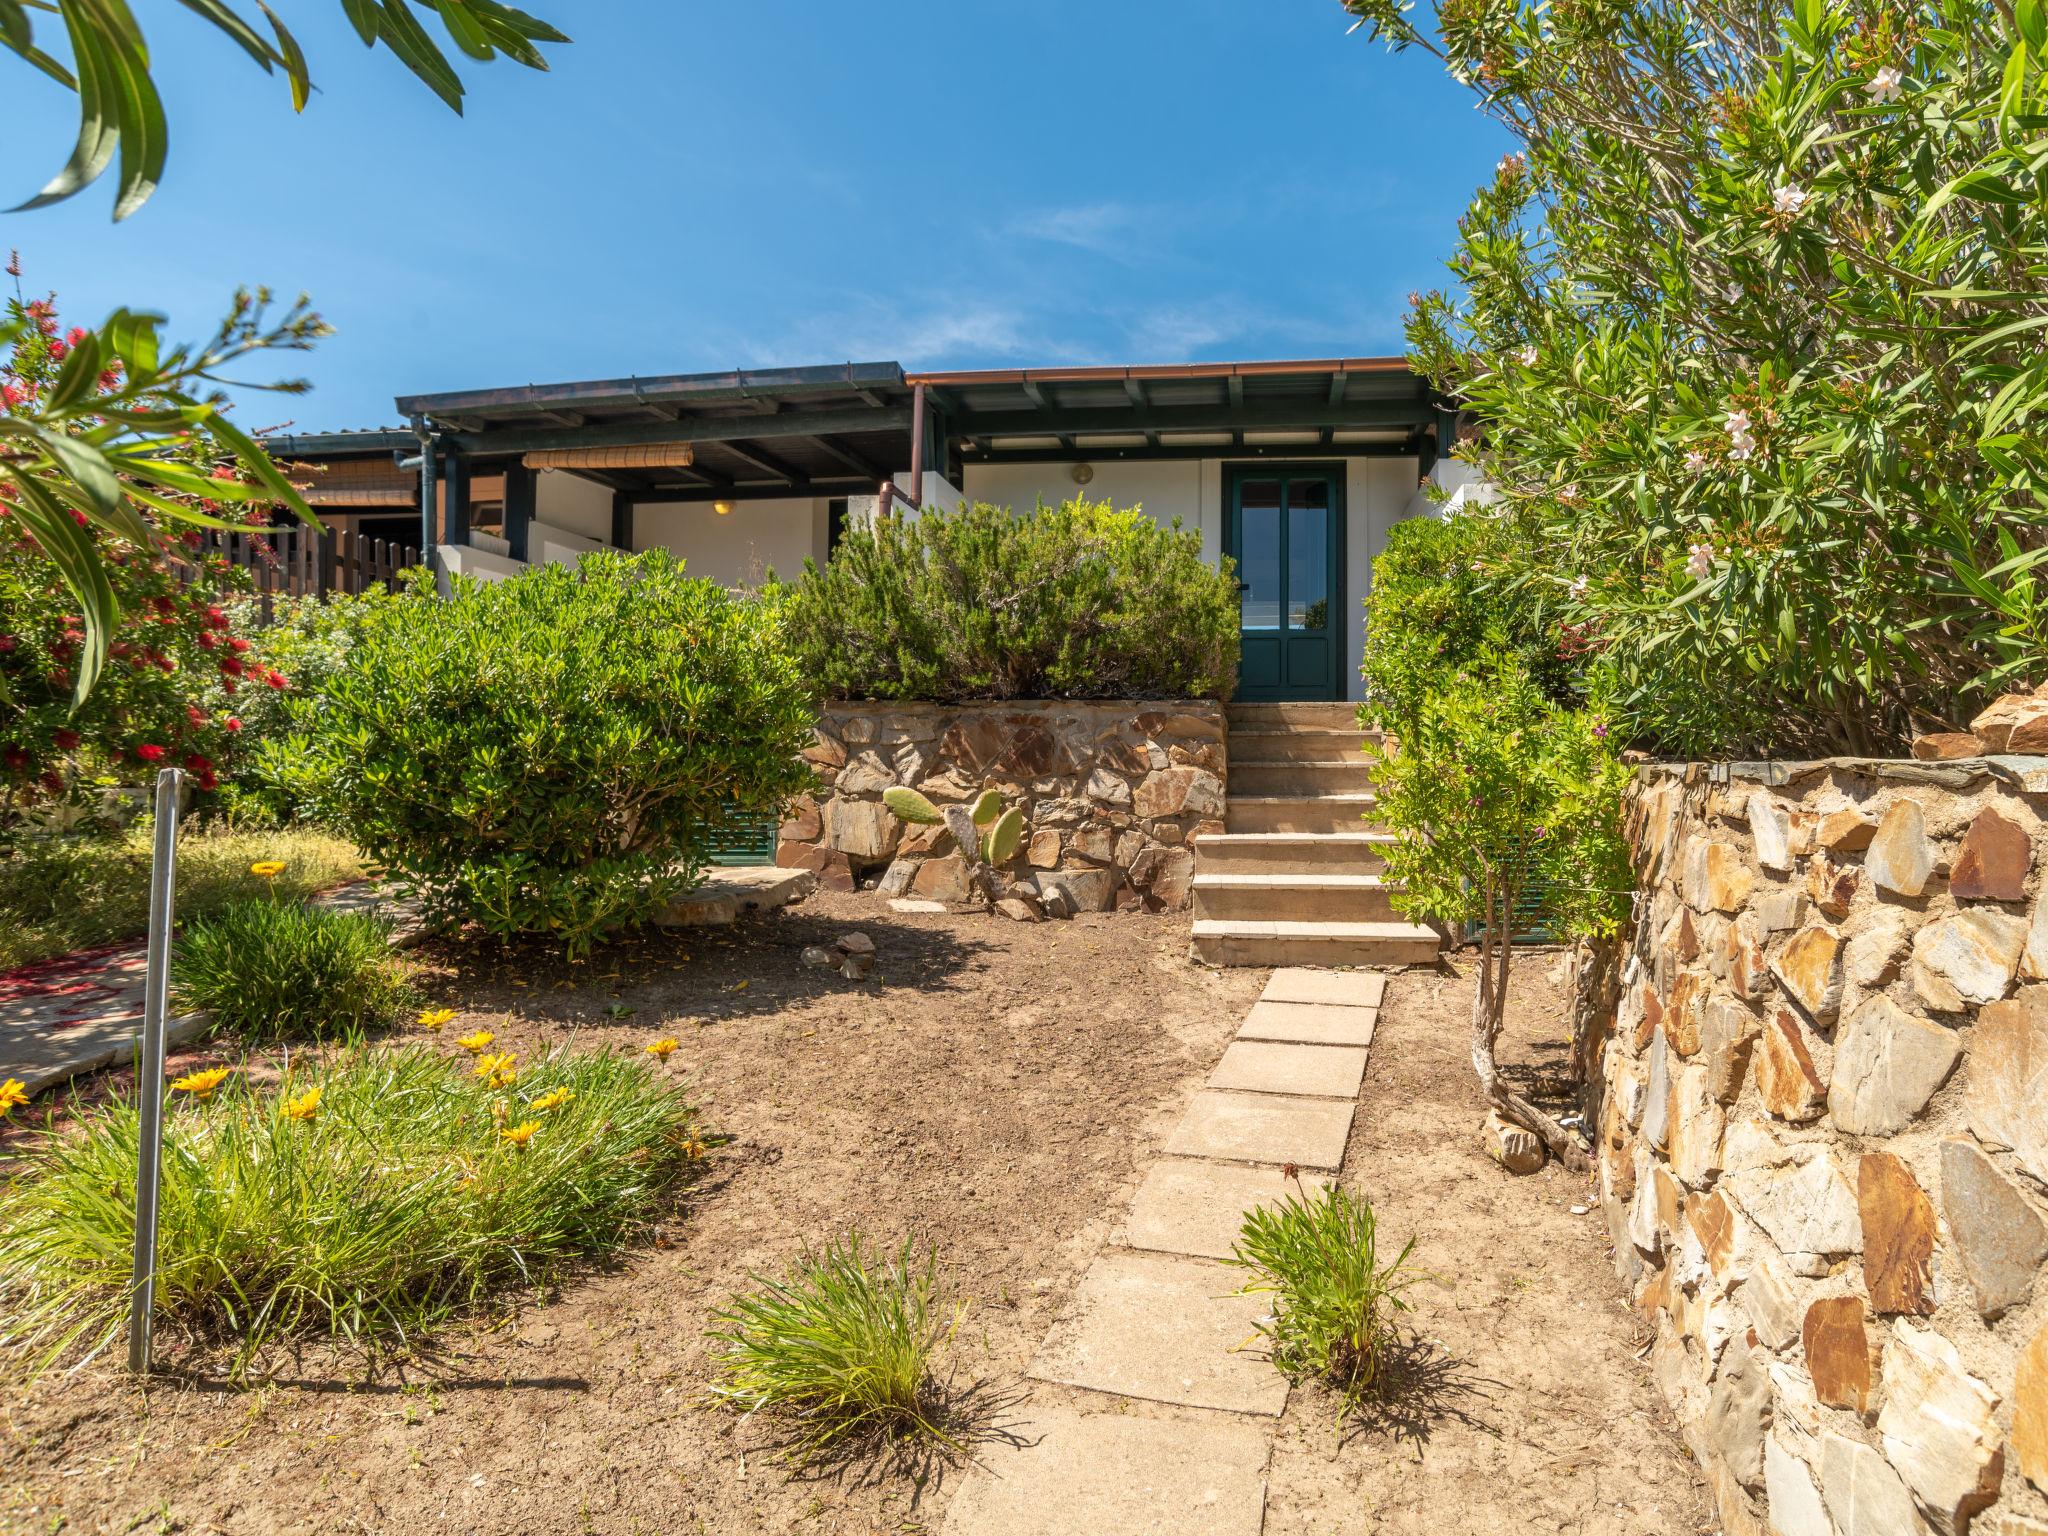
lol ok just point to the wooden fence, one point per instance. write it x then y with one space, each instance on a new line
305 562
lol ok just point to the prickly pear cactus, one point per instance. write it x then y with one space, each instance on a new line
908 805
987 808
1000 842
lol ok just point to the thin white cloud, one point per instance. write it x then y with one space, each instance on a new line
1106 229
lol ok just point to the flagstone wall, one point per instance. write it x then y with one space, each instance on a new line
1823 1138
1113 795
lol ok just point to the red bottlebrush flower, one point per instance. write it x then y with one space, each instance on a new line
110 379
206 639
66 741
207 779
277 680
15 758
150 754
74 336
14 263
58 351
238 645
228 685
231 724
7 643
216 616
53 781
231 666
197 764
164 604
195 714
165 664
193 538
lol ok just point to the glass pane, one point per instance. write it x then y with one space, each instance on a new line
1258 554
1308 555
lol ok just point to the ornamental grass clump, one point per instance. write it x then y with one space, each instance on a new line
365 1201
1334 1303
844 1345
269 970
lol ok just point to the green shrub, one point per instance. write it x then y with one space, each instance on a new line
1444 591
845 1342
1493 792
1334 1303
395 1200
1752 326
270 969
553 754
1078 601
60 894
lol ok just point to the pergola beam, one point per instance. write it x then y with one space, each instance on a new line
766 462
852 458
1259 415
703 429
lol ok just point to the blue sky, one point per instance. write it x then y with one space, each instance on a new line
948 183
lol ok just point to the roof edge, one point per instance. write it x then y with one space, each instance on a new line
1141 371
733 384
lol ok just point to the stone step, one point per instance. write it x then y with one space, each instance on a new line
1296 896
1293 745
1323 714
1289 943
1286 853
1332 776
1300 813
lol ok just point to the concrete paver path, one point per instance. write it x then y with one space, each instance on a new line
1153 1408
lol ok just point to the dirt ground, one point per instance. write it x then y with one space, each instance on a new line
995 1089
1525 1406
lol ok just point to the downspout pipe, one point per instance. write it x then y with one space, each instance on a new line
429 491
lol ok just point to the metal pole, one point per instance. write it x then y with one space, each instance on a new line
149 1066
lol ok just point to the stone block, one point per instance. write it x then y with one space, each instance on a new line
1086 890
1717 877
1058 1471
1771 828
1043 851
1738 1412
1992 863
1804 1203
1515 1149
1969 957
1900 858
1937 1428
1847 830
1272 1066
864 830
1888 1064
1303 984
2006 1085
1790 1495
1780 909
1841 1353
2030 1412
1309 1024
833 868
1789 1079
1198 1208
1682 1012
1772 1298
2016 723
1865 1496
1831 886
1898 1236
1728 1032
1263 1128
1174 791
1096 842
1946 746
2034 958
1876 943
2000 1237
942 879
1809 967
1697 1126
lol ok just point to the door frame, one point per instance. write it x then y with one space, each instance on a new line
1235 473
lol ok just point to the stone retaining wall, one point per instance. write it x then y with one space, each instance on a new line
1113 795
1823 1138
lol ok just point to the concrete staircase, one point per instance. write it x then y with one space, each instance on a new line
1295 879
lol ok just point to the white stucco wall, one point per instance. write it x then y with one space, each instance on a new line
549 544
740 548
482 565
1378 492
573 504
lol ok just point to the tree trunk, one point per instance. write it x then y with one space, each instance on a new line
1489 1008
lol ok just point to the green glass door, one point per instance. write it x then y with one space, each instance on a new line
1285 529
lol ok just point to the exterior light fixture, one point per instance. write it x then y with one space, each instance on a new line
1082 473
722 508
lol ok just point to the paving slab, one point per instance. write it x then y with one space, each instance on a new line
1263 1128
1167 1329
1273 1066
1199 1208
1305 984
1310 1023
1065 1472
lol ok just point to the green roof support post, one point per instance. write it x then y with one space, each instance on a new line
519 498
428 490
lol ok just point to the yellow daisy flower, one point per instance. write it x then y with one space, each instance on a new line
434 1018
494 1063
12 1096
267 868
519 1135
663 1047
201 1084
476 1042
305 1106
553 1100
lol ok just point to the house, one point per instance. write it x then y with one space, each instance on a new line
1294 469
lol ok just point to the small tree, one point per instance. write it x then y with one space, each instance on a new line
1493 791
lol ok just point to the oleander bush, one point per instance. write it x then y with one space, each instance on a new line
843 1346
554 754
1750 330
271 969
1334 1300
1078 601
365 1201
